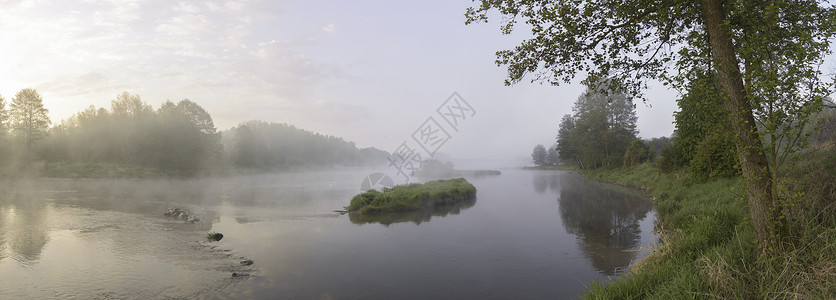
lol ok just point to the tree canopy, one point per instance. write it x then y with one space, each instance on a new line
538 155
29 118
765 56
600 130
176 139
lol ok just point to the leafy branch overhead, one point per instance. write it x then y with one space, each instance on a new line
760 58
631 42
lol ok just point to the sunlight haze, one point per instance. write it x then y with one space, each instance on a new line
366 71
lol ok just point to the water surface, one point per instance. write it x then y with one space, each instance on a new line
527 235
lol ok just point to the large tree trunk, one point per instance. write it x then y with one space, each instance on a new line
752 159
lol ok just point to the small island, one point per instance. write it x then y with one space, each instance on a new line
435 169
412 197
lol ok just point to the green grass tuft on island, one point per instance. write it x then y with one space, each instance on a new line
411 197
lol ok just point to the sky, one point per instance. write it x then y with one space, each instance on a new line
371 72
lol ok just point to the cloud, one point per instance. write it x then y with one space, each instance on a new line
184 7
217 53
185 25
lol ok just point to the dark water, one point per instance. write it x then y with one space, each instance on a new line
528 235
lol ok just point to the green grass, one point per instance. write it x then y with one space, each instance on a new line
708 249
411 197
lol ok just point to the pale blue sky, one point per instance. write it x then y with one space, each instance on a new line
367 71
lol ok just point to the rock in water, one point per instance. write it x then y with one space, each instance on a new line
217 236
182 214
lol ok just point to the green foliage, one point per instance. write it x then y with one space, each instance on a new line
538 156
599 132
714 156
766 56
703 141
657 144
412 197
672 157
825 132
708 247
638 152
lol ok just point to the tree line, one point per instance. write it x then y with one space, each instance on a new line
601 132
132 138
755 66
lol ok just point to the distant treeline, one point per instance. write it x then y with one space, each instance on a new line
262 145
176 139
601 133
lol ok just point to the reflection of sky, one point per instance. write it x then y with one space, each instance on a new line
23 232
108 238
71 238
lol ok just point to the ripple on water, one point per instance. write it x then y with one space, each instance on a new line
69 252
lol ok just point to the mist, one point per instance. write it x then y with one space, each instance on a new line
260 122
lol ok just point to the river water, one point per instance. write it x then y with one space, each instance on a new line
528 235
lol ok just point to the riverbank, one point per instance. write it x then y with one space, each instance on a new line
708 248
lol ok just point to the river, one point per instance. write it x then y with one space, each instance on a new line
528 235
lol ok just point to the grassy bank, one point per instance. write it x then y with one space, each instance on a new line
411 197
708 247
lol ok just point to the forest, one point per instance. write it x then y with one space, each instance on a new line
744 190
133 139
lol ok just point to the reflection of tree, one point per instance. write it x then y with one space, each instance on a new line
423 215
605 218
24 227
548 179
540 182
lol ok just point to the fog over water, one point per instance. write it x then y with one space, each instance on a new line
261 120
527 235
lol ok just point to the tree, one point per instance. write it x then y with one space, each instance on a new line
246 147
600 130
538 156
186 138
702 132
552 159
127 105
29 117
4 117
271 146
657 144
749 45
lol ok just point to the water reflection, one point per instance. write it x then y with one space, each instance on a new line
108 238
603 217
23 231
416 217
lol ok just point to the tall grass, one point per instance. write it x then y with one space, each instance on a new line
412 197
708 248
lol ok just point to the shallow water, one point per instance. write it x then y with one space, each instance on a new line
528 235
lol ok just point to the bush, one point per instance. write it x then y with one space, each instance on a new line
673 158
